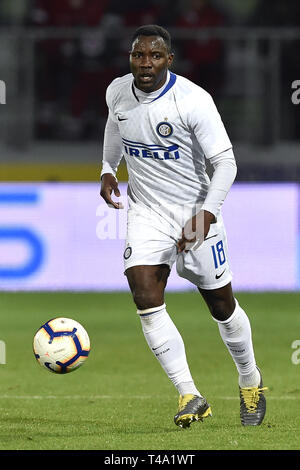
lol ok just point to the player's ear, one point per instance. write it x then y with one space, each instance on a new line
170 59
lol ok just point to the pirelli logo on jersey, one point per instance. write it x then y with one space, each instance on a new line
159 152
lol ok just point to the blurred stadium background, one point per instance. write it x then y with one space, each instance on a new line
57 58
56 235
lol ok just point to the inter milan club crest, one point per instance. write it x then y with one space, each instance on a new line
127 252
164 129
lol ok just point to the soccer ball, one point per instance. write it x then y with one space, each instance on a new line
61 345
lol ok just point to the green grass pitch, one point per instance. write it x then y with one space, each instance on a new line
121 399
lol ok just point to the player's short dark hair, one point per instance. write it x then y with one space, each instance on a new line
153 30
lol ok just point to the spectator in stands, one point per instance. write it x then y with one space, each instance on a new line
69 12
135 12
63 63
276 13
205 57
283 14
14 13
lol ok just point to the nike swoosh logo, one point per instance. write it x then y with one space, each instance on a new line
219 275
154 349
212 236
122 119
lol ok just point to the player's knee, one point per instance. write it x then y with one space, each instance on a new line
146 298
222 309
221 302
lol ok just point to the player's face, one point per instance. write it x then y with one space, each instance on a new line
149 62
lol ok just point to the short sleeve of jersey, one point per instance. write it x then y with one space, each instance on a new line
205 121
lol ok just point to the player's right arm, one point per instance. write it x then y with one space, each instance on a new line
109 185
112 155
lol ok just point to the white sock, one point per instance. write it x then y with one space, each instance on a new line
236 334
167 345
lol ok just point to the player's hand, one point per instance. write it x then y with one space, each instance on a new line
109 185
195 231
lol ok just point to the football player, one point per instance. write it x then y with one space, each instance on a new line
166 127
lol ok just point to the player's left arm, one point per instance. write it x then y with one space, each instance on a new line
197 228
224 174
212 136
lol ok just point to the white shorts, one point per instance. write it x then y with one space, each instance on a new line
151 240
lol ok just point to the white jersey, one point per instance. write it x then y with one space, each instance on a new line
166 137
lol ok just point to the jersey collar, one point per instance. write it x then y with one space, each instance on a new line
170 83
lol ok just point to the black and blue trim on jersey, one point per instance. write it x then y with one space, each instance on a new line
169 85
